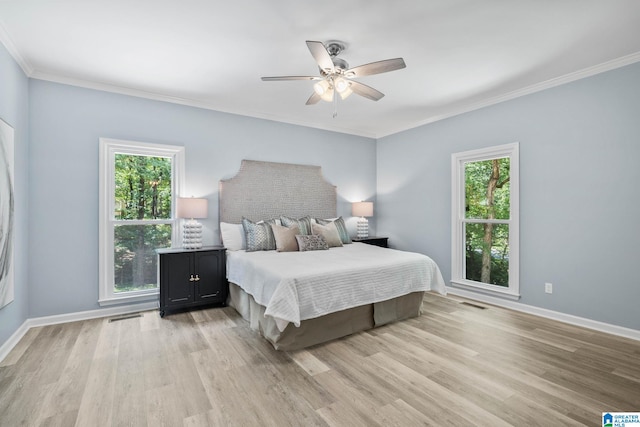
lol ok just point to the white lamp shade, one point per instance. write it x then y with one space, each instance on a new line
189 207
363 209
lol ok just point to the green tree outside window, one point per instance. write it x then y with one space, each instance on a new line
142 195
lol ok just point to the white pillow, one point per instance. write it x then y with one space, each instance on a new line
233 236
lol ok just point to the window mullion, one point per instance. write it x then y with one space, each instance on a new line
486 221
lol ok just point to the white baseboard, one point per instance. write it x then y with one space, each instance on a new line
549 314
70 317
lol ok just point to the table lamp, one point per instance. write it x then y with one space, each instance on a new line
191 208
363 210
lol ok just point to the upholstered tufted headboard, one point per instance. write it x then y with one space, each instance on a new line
262 190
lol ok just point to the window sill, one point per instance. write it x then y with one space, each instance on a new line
127 299
487 289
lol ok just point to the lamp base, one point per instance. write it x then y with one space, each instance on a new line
191 234
363 228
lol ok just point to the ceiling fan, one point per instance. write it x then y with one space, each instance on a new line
336 78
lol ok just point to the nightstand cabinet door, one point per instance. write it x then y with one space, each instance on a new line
178 272
211 283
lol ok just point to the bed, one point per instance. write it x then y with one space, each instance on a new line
299 299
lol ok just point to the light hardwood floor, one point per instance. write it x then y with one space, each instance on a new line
454 365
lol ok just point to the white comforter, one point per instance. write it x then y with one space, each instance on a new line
295 286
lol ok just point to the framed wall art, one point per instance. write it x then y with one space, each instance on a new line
6 213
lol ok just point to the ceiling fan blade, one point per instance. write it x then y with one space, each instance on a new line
321 55
376 67
313 99
366 91
279 78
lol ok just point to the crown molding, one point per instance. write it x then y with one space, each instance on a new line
107 87
548 84
13 51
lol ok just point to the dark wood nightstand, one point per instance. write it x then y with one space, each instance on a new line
373 240
192 277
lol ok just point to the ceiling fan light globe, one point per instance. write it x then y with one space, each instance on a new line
327 95
341 84
345 93
321 87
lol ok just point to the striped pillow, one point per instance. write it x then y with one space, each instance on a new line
340 225
303 223
259 236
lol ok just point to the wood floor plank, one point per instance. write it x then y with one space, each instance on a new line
456 404
308 362
164 408
96 405
67 392
400 414
340 414
453 365
129 403
18 351
64 419
149 321
213 417
352 401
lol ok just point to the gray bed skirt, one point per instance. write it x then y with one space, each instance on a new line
325 328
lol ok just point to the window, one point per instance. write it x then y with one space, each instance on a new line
485 230
139 184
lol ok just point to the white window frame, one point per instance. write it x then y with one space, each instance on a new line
108 149
458 220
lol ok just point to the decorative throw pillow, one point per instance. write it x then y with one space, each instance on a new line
329 232
285 237
259 236
233 236
303 223
340 226
311 242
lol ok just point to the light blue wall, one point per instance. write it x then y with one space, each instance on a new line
14 111
579 194
579 191
66 123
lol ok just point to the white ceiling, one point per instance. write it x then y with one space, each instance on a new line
460 54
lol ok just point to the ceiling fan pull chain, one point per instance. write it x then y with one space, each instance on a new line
335 104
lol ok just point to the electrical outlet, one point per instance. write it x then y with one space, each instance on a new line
548 288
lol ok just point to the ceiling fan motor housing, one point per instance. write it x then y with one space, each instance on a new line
334 47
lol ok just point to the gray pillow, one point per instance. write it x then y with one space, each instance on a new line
311 242
259 236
